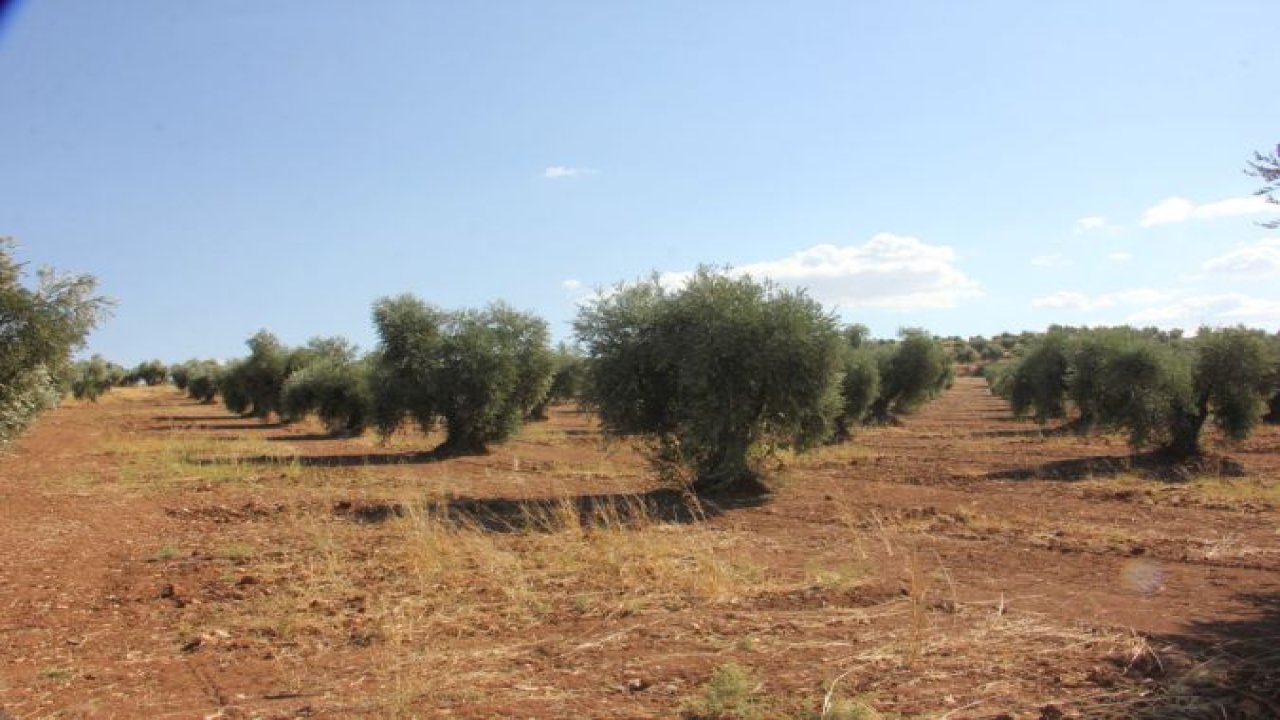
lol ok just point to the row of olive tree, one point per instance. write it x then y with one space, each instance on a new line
718 374
40 328
1163 389
478 372
90 379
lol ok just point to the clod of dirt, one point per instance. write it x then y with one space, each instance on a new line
247 580
192 645
170 592
1051 712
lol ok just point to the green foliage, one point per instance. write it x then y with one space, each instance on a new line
1037 382
1159 387
859 388
568 375
199 378
253 385
481 371
913 371
203 379
335 390
92 378
717 372
151 372
40 328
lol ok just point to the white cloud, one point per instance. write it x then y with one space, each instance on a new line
1214 310
1119 256
1179 209
556 172
1254 260
1092 222
1068 300
1054 260
1146 306
571 284
888 271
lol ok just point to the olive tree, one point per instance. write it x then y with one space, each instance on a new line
40 328
252 385
568 368
715 372
203 379
1161 388
1037 382
859 388
336 391
479 371
913 371
92 378
150 373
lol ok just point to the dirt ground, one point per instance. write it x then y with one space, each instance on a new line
160 558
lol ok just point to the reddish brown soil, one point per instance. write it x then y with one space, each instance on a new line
1005 573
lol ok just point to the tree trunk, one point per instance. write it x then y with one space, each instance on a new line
1184 440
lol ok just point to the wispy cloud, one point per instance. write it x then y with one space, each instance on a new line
1253 260
1091 223
1054 260
888 271
1213 310
571 284
1119 256
1180 209
558 172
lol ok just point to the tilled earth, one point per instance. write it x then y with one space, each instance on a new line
159 558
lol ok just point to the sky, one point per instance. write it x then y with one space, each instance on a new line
969 168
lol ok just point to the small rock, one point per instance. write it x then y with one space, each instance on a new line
637 684
247 580
192 645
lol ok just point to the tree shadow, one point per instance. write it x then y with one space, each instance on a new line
554 513
332 461
1155 465
1218 668
192 418
309 437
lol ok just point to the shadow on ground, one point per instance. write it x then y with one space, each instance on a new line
546 514
1152 465
1218 669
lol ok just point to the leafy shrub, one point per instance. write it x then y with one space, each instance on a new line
481 371
728 695
337 392
715 373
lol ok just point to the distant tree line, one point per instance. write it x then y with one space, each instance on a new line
1162 388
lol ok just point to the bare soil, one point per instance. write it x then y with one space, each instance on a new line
160 558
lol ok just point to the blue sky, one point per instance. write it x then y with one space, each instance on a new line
969 168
